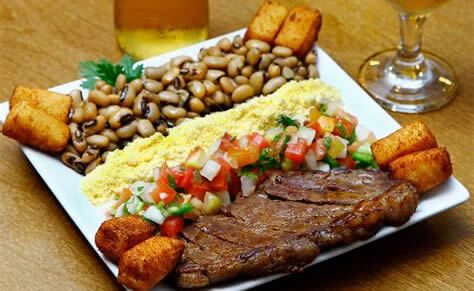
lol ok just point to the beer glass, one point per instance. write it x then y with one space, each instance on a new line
147 28
408 79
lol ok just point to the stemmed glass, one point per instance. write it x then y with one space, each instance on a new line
406 79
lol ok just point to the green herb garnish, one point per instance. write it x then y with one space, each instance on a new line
323 108
286 121
107 71
172 181
327 141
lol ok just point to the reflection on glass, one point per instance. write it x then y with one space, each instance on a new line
406 79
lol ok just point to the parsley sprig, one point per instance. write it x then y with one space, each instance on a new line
285 121
107 71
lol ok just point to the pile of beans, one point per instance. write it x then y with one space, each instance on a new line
224 75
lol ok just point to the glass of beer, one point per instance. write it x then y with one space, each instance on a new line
408 79
147 28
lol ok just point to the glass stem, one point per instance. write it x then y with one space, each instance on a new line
411 30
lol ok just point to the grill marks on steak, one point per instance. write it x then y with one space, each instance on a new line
292 215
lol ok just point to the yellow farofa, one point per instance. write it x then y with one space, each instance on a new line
137 160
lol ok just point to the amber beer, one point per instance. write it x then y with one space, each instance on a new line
150 27
417 6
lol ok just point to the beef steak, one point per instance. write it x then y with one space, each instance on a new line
284 224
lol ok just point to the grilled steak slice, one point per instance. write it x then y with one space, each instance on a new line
280 228
222 247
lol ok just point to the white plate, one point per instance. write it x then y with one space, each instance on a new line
64 182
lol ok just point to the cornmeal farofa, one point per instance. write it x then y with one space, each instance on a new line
36 128
136 161
55 104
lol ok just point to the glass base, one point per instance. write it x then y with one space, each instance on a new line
400 87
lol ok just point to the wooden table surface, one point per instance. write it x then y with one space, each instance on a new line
41 43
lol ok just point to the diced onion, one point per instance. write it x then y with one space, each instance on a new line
272 132
120 211
196 203
214 147
362 132
146 194
138 187
154 214
293 139
233 164
210 170
307 134
212 204
243 141
248 185
323 167
134 205
224 197
310 160
332 108
343 153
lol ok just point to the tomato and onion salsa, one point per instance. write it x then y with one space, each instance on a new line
207 181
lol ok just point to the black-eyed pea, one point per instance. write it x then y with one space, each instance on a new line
168 97
240 80
181 120
282 51
224 44
91 153
313 71
73 161
127 96
78 140
191 114
197 88
136 84
247 71
110 134
217 98
90 111
298 78
98 140
139 106
242 93
77 98
213 75
287 73
104 156
273 84
265 61
215 62
155 73
235 66
78 115
121 118
227 84
253 56
149 96
99 98
180 60
128 130
120 82
256 80
273 71
196 105
302 71
112 147
162 128
211 88
260 45
169 76
153 86
108 111
145 128
95 125
173 112
152 112
99 84
310 58
107 89
114 99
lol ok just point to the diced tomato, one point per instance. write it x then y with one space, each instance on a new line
184 179
259 140
126 193
163 192
220 182
228 142
198 190
347 116
246 156
347 162
164 172
172 226
296 151
343 128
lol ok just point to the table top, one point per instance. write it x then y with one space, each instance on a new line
41 43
